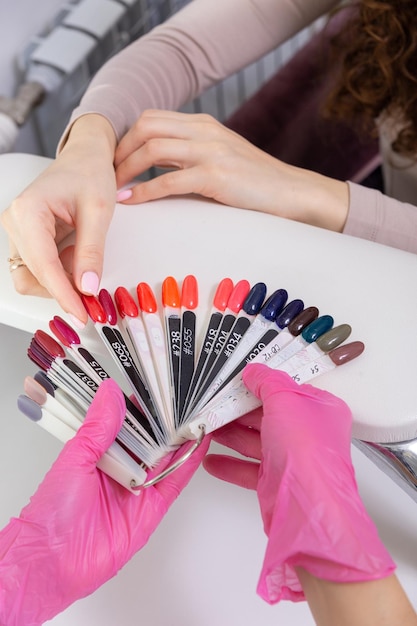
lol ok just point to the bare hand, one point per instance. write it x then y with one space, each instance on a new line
75 193
207 158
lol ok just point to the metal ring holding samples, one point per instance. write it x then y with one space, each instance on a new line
171 468
15 262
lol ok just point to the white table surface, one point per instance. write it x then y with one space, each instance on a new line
201 566
367 285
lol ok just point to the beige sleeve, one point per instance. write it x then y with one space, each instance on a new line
377 217
197 47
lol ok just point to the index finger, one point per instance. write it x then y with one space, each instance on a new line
45 273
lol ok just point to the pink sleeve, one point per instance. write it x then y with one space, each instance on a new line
377 217
197 47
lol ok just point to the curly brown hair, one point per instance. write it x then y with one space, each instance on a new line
377 68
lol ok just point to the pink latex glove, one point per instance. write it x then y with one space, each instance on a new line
80 527
313 515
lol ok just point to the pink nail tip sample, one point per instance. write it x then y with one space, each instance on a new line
63 331
76 322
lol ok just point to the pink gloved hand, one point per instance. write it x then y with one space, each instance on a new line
80 527
313 515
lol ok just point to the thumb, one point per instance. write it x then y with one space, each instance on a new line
171 486
102 423
92 227
263 381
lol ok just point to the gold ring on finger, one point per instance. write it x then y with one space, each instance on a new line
15 262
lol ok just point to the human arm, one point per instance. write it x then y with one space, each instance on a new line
207 158
375 216
180 58
380 602
80 527
165 68
322 545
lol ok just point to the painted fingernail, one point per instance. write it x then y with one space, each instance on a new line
124 194
76 322
90 283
